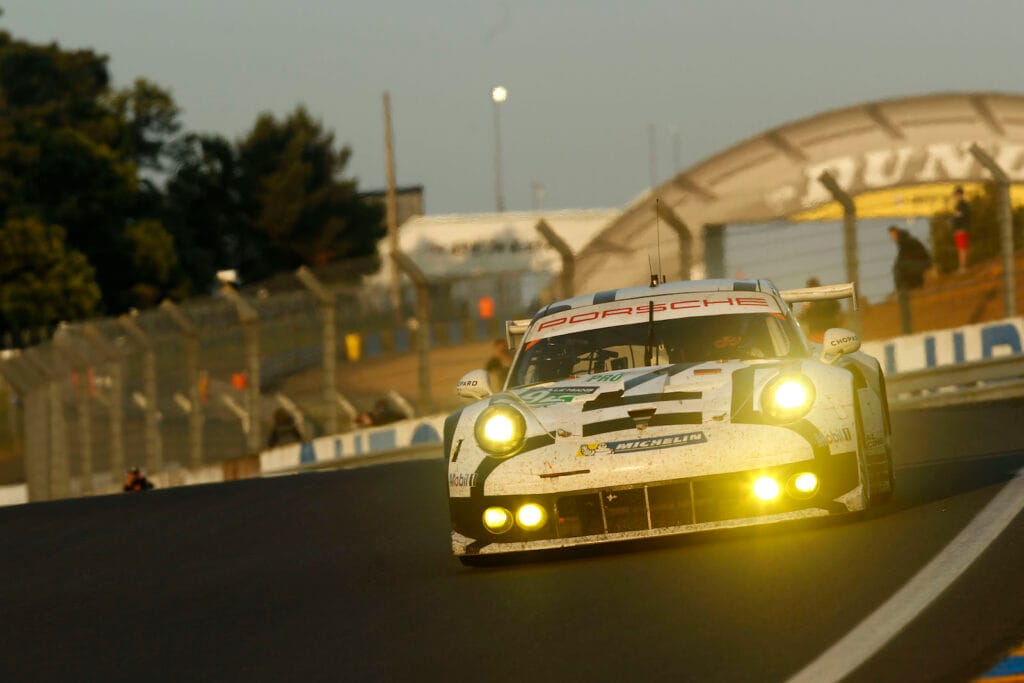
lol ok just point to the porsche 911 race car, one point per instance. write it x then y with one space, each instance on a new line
662 410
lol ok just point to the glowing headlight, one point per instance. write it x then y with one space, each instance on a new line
788 397
497 520
805 483
531 516
500 430
766 488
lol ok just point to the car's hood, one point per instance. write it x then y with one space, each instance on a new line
568 406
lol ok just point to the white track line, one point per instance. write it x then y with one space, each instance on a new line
868 637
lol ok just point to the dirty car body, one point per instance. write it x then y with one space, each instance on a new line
664 410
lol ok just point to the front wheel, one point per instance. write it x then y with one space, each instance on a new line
881 480
876 467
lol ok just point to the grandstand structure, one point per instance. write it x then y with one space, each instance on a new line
895 157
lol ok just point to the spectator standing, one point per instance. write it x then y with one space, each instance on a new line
819 316
498 365
961 228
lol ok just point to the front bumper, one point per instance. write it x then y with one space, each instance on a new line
590 516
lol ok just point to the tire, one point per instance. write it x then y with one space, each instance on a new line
875 470
883 497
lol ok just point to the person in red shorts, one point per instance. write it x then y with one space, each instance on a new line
961 227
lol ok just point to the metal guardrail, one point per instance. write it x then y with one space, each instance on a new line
985 380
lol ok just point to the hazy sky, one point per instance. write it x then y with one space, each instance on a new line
585 78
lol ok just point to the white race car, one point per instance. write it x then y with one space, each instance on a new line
664 410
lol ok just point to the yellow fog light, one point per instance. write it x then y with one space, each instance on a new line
788 398
531 516
497 520
500 430
804 484
766 488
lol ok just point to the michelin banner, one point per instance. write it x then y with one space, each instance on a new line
948 347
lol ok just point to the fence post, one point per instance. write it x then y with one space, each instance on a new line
346 407
682 232
80 365
115 364
1005 228
326 300
195 409
30 386
154 445
414 273
59 473
568 275
295 412
849 237
250 320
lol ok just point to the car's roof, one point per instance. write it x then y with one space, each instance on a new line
680 287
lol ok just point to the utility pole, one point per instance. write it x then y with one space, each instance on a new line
498 95
391 208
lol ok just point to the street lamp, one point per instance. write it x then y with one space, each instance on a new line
498 95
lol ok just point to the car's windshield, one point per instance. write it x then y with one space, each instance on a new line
745 336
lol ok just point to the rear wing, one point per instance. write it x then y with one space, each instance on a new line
848 290
515 330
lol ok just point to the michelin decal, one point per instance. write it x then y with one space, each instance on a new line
637 445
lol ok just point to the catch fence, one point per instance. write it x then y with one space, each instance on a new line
218 377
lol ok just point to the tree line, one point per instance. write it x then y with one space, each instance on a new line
109 204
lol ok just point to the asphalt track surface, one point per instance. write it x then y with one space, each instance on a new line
347 575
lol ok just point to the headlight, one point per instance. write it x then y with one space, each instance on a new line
788 397
497 520
531 517
766 488
803 485
500 430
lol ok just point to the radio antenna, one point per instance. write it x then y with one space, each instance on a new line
657 221
654 277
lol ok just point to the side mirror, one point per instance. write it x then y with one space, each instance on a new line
838 342
475 385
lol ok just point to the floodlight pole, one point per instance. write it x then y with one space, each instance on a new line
1005 228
